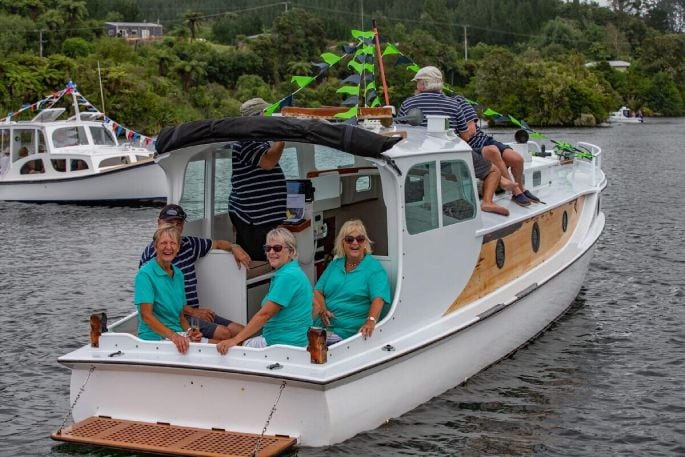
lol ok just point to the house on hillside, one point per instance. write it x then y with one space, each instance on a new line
134 30
618 65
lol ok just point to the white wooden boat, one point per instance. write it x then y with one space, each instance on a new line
74 160
468 287
625 116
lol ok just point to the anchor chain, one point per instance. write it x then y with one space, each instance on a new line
268 420
83 387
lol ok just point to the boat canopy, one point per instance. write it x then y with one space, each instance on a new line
345 137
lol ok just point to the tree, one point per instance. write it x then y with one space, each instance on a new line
192 20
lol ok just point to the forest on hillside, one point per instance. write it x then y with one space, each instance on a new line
527 58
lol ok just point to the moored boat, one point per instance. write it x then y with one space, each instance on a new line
625 116
51 158
468 287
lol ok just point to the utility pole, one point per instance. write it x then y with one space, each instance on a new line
40 42
466 45
362 6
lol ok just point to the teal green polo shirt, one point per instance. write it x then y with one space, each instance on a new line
349 295
290 289
167 295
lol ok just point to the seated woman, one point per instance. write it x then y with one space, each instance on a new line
352 291
286 310
160 294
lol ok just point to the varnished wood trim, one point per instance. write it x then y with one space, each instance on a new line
519 254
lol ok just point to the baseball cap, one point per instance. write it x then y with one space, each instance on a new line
428 73
253 107
170 212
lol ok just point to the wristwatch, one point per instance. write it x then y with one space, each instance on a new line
371 318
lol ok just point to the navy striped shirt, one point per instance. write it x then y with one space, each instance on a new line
478 139
258 196
192 248
439 104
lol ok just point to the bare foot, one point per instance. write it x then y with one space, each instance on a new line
494 208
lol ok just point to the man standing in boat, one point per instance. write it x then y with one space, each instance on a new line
192 248
430 99
257 202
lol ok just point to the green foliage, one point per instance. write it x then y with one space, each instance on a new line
75 47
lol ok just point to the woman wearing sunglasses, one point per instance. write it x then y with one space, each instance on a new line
286 310
352 291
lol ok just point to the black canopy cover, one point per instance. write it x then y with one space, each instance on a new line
345 137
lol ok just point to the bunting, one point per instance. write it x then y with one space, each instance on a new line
72 88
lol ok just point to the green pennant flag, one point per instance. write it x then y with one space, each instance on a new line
514 121
491 112
356 66
470 102
350 90
330 58
272 109
302 81
349 114
413 67
376 102
359 34
389 50
368 50
370 86
538 136
368 67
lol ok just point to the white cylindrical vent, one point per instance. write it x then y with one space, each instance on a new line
438 123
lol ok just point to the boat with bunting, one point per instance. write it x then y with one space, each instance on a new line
66 154
468 287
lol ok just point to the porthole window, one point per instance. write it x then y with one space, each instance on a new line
499 253
535 237
564 221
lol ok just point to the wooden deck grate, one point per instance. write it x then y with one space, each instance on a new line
170 439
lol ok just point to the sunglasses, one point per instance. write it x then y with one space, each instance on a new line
349 239
276 247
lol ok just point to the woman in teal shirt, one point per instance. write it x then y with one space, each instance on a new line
286 310
159 293
352 291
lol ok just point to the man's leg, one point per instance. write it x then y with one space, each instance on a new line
491 153
490 183
220 329
514 160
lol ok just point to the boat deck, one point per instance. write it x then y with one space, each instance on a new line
168 439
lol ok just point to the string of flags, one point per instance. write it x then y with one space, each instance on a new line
360 86
71 89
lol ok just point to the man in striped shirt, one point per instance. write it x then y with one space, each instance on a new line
501 155
430 99
257 202
192 248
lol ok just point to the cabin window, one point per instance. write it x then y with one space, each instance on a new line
78 164
326 158
102 136
289 163
363 184
24 141
32 167
193 199
41 142
59 165
4 140
69 136
458 197
222 181
421 198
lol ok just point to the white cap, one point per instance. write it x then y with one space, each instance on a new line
428 73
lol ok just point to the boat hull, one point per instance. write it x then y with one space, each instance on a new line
323 413
135 182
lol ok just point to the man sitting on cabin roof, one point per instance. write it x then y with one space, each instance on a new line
192 248
430 99
501 155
